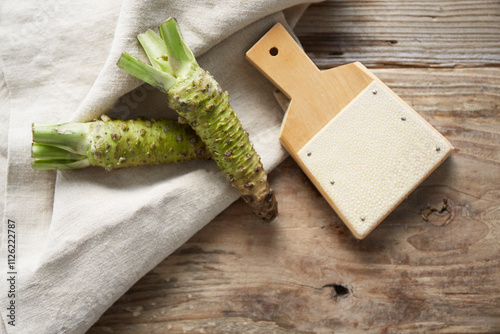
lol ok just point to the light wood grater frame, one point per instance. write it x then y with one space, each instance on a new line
360 144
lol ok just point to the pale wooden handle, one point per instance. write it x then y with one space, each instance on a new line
283 62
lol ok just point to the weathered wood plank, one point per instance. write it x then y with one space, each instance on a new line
445 33
306 273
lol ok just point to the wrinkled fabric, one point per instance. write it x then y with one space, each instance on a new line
84 237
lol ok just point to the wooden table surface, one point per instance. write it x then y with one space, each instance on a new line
432 266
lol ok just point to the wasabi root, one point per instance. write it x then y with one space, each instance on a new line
202 103
114 144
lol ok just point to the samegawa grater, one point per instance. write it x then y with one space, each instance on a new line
360 144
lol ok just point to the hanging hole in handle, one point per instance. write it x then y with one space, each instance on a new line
273 51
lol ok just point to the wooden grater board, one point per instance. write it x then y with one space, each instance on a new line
360 144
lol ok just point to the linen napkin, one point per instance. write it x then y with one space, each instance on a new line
82 238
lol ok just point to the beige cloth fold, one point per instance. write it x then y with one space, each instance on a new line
84 237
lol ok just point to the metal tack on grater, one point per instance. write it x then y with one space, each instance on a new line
360 144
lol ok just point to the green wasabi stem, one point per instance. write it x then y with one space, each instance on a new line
201 102
114 144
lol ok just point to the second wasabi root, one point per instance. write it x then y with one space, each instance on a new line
114 144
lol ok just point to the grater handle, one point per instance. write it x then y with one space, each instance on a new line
278 56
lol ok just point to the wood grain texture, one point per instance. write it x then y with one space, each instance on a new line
442 33
433 266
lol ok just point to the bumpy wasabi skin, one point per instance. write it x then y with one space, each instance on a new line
201 102
199 99
114 144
